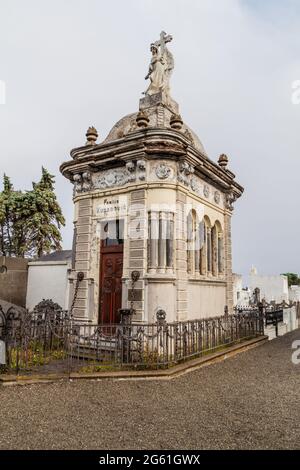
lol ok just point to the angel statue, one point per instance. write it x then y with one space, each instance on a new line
161 66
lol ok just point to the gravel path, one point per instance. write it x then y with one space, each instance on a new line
250 401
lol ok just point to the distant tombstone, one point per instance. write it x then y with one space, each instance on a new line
256 295
2 353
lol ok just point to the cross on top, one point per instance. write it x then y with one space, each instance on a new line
163 40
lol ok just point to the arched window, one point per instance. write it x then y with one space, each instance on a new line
214 250
191 241
205 246
202 243
220 248
217 249
196 244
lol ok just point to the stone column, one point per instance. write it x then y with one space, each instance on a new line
189 246
197 249
208 243
214 248
203 253
228 261
162 252
153 242
220 253
170 242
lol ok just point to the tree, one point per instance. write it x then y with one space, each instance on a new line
8 202
30 221
293 279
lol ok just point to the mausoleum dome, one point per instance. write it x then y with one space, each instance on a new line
128 124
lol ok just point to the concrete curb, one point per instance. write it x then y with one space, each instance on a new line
162 374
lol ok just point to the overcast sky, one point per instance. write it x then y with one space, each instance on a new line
69 64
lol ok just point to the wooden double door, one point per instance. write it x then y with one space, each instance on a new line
111 270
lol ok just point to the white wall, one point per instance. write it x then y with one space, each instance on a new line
294 293
47 280
205 300
161 296
241 295
271 287
237 281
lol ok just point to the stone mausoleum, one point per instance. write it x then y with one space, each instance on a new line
148 200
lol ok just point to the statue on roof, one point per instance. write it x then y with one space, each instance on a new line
161 66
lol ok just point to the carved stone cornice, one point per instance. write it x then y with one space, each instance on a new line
163 147
152 143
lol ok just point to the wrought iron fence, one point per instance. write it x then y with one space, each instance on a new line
271 312
159 344
49 340
34 339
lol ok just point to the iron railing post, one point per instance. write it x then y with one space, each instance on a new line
261 316
126 319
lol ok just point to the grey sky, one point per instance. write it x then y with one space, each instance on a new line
74 63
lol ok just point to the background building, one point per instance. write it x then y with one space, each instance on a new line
241 295
48 279
272 288
294 293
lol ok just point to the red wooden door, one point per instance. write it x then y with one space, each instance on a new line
111 284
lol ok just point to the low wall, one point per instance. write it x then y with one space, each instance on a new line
13 280
48 280
290 323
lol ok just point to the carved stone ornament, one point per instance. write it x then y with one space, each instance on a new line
195 185
189 136
187 177
184 172
217 197
176 122
206 190
142 119
141 169
82 182
91 136
161 316
162 171
116 177
230 200
130 166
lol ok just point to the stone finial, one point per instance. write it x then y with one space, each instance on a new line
176 121
142 119
91 136
223 161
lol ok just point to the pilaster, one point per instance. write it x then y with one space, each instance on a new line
82 256
181 257
228 261
137 233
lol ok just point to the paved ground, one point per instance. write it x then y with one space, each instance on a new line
249 401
